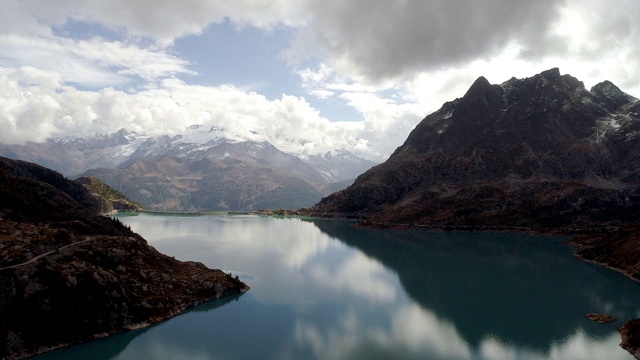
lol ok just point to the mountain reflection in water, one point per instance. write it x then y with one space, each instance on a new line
325 290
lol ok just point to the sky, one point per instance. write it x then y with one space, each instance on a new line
327 74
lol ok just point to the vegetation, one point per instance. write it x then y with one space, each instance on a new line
112 199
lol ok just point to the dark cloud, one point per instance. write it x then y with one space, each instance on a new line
386 39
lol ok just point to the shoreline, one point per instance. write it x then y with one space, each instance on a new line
131 327
186 213
579 239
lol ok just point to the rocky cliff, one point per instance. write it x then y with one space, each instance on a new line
68 275
538 152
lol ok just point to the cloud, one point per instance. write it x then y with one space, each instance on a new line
27 107
95 63
393 62
390 44
36 104
387 122
162 20
394 39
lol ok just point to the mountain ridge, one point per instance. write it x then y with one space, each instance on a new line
537 154
201 169
541 136
74 155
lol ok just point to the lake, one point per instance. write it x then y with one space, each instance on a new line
326 290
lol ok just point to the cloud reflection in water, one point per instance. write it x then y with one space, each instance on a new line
347 298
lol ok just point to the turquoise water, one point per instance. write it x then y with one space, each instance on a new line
325 290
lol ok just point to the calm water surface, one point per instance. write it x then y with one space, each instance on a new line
324 290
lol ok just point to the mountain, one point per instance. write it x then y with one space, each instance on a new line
211 184
338 165
73 155
537 152
111 199
201 169
68 275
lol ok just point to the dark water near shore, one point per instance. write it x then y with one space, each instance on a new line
324 290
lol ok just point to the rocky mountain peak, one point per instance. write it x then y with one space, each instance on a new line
551 75
478 87
611 96
498 142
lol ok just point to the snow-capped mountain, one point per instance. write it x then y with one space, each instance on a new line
75 155
191 159
338 165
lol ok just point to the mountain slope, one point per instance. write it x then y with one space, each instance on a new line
200 169
72 156
75 155
111 199
230 176
542 151
68 275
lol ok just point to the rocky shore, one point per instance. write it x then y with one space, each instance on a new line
68 275
619 251
94 286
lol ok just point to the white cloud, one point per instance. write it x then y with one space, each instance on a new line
358 275
430 53
27 104
387 122
169 107
162 20
393 62
95 63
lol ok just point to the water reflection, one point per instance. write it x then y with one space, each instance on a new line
525 290
324 290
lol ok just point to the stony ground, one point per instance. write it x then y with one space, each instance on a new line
60 288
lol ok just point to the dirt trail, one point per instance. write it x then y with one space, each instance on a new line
35 258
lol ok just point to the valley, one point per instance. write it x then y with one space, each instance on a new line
538 155
202 169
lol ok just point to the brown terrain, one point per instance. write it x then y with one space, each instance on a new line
539 154
69 275
620 251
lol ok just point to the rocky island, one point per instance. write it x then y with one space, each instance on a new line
69 275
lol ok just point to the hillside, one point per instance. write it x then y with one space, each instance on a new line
539 152
244 177
69 275
111 199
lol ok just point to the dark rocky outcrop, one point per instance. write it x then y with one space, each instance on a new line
541 153
69 275
618 250
630 333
